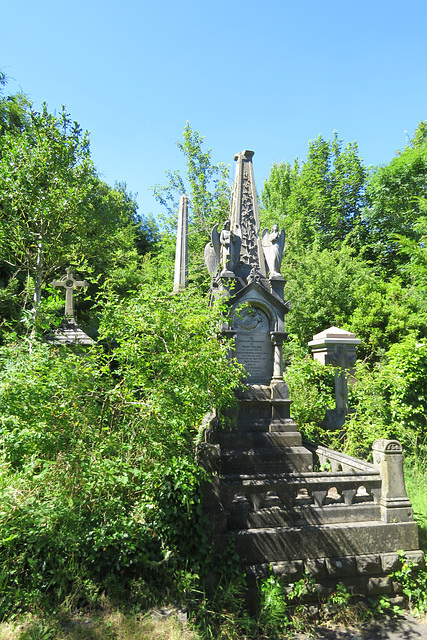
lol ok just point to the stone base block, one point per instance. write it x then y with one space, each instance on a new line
324 541
361 575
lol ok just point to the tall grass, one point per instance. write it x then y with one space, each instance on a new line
416 487
112 625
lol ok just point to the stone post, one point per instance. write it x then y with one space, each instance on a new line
338 348
277 340
181 255
394 503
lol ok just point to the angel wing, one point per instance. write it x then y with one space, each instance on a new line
216 242
281 241
265 238
211 259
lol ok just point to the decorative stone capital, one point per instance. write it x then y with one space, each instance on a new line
335 346
387 446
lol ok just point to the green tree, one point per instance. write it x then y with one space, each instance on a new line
206 185
13 109
208 189
99 482
320 199
55 212
323 287
395 212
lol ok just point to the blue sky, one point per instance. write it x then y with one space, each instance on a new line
248 75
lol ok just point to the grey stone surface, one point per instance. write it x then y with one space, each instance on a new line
292 571
336 347
388 459
403 627
377 585
327 540
181 255
69 333
316 567
69 284
417 557
368 564
341 567
273 243
390 562
255 351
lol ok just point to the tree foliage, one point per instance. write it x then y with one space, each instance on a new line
98 480
99 477
320 199
55 212
208 189
395 212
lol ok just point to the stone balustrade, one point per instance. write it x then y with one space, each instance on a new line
317 489
337 461
350 490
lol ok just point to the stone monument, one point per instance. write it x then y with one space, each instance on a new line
338 348
181 256
69 331
266 493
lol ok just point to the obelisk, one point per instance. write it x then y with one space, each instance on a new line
181 255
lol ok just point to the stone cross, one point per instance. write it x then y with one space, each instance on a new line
69 284
181 255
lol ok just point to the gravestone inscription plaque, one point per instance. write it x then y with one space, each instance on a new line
253 344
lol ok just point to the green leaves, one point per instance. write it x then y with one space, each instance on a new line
98 481
317 201
209 192
55 212
395 193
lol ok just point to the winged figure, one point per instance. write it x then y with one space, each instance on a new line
273 243
224 250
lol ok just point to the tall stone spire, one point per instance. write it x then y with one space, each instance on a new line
181 255
245 217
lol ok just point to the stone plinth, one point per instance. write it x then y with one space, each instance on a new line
338 348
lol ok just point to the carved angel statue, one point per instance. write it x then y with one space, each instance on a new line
273 243
224 250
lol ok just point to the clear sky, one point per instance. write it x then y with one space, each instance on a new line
267 76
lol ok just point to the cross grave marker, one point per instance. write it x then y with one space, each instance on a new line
69 284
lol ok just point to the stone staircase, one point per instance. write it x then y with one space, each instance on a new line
297 507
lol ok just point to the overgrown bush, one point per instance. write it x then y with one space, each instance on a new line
311 387
99 488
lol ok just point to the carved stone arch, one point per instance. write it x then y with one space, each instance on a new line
256 304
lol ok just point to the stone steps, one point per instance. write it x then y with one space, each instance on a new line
265 460
277 544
